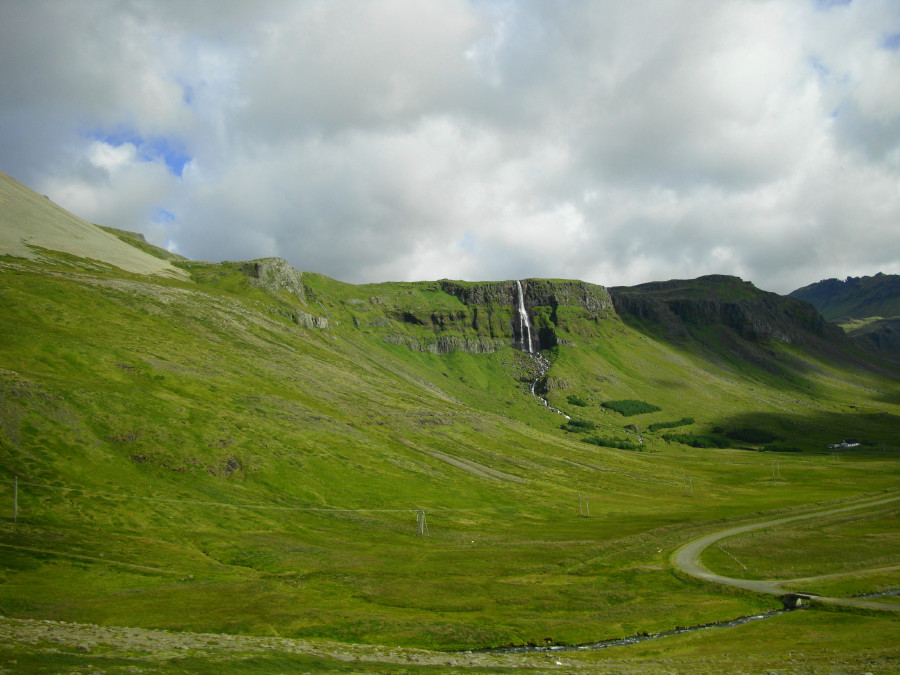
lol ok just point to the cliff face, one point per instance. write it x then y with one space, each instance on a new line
495 304
447 315
728 301
277 277
537 292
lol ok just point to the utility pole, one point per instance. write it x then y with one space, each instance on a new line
421 523
584 506
16 499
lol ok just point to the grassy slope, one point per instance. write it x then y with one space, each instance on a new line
30 223
172 439
855 297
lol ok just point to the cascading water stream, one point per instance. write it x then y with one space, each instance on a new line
524 322
528 347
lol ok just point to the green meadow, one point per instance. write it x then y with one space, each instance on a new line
189 455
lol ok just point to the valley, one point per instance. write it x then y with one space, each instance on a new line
283 472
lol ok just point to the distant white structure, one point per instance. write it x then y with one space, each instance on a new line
846 443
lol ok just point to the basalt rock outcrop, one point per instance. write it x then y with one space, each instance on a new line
277 277
480 317
538 293
445 344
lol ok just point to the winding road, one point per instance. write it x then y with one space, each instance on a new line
687 559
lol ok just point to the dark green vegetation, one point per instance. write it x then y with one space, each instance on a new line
578 426
684 421
699 441
245 449
619 443
629 407
752 435
572 399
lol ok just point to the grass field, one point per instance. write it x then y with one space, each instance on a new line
191 458
838 544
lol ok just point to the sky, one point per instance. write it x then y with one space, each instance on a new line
617 142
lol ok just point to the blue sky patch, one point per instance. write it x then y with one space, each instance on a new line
891 42
151 149
172 153
162 216
467 243
819 67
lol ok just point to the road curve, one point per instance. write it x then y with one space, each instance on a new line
687 559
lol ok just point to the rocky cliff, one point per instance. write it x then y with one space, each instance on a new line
477 317
537 293
277 277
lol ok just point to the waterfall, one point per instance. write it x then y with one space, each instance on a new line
524 322
528 347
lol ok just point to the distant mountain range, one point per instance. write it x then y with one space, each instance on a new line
868 308
855 297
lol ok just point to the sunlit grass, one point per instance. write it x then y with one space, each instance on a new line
190 458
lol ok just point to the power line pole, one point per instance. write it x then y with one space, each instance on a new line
584 506
16 499
421 523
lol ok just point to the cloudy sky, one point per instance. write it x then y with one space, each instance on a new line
612 141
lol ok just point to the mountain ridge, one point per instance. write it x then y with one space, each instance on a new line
854 297
30 223
868 309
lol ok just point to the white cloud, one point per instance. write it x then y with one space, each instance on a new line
396 139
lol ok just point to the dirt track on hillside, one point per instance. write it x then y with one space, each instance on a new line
687 559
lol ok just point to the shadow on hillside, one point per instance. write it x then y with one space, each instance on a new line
892 397
724 349
816 431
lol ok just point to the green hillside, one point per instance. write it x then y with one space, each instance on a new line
854 297
242 448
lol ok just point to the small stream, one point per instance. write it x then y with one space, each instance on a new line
880 594
634 639
543 367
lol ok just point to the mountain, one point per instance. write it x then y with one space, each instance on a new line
31 226
854 297
725 301
868 308
244 448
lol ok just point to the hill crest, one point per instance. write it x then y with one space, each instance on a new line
30 223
